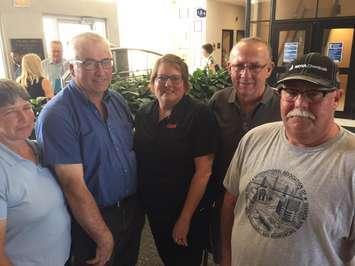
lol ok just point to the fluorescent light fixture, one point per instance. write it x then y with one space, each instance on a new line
22 3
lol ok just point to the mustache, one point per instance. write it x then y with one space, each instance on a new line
301 113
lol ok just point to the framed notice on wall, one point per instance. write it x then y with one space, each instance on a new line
25 46
335 51
290 51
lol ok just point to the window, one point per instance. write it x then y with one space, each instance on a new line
65 28
2 59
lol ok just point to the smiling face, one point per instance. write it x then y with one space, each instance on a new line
16 121
309 123
249 84
56 52
168 91
93 82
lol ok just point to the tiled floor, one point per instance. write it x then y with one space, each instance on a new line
148 255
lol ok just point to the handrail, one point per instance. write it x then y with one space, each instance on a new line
136 49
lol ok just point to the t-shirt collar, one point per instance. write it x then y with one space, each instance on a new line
11 157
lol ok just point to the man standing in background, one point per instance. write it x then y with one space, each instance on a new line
55 66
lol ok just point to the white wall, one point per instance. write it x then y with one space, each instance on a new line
222 16
163 26
26 22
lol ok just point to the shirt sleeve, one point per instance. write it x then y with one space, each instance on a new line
3 194
205 132
352 230
58 138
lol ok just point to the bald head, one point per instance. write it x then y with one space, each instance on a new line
256 43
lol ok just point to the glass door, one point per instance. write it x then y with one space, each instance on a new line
337 43
288 41
331 38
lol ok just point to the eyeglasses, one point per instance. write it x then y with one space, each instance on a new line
162 79
253 68
91 64
312 96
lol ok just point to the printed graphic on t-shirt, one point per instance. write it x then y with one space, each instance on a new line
276 203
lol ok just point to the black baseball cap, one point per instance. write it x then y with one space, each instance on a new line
315 68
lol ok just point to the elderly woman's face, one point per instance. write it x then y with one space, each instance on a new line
16 121
168 86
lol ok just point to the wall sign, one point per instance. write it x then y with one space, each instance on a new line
200 12
335 51
25 46
290 51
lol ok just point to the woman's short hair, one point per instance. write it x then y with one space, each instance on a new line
177 62
10 91
208 48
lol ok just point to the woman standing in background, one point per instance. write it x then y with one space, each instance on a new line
207 51
33 79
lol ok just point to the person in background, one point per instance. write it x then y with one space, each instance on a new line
290 186
250 102
175 142
55 66
210 62
16 58
33 79
86 133
34 221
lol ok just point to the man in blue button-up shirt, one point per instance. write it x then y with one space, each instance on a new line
86 135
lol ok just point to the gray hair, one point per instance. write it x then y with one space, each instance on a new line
79 42
10 91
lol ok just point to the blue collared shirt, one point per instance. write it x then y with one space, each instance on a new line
70 130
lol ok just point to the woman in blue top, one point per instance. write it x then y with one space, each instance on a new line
34 222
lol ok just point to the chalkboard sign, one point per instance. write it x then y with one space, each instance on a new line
25 46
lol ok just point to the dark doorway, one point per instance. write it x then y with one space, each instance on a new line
227 44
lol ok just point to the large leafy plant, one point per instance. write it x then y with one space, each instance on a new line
204 83
135 89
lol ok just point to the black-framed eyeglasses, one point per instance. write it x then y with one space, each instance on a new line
253 68
162 79
91 64
311 95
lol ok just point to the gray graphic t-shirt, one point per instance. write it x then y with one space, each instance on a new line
295 205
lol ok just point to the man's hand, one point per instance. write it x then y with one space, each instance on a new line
103 251
85 210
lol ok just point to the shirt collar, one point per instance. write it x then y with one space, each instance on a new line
11 157
268 93
175 113
52 62
80 93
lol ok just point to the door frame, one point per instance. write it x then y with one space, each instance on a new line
231 38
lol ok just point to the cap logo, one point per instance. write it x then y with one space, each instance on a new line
324 69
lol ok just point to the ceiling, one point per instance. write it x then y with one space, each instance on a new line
234 2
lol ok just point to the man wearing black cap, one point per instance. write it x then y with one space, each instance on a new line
295 180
